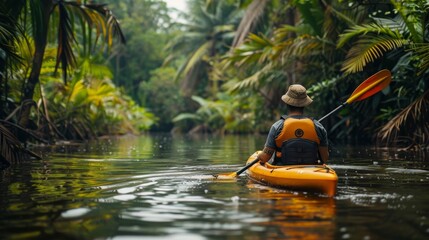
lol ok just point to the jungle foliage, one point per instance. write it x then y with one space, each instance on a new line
78 70
329 47
52 86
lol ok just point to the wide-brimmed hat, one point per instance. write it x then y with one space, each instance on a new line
296 96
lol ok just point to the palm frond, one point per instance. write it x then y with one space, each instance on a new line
66 38
12 150
412 122
408 11
422 51
207 36
303 46
197 56
347 17
39 20
311 15
187 116
285 31
372 29
192 78
252 15
95 16
367 50
251 82
394 24
9 33
99 16
255 49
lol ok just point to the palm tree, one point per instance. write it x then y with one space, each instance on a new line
11 149
253 14
63 12
401 39
9 34
207 34
301 47
15 16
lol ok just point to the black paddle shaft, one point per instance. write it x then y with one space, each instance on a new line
247 166
331 112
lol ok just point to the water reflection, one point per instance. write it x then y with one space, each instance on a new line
161 187
296 216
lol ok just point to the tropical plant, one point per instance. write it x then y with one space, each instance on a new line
208 33
63 13
301 48
147 26
9 35
161 97
90 105
228 114
252 16
402 41
415 119
12 149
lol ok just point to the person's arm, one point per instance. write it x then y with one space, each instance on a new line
266 154
324 154
269 147
323 146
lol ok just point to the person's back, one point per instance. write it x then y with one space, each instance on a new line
296 139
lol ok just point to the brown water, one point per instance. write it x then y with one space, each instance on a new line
160 187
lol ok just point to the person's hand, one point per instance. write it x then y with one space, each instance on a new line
265 155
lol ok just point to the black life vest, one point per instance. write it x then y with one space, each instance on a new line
298 142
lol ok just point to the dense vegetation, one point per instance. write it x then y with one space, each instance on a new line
77 70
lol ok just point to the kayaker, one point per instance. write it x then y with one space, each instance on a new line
296 139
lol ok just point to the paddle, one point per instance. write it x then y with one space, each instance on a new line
369 87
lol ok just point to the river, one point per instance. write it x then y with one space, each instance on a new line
161 187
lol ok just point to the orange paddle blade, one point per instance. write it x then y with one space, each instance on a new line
371 86
225 176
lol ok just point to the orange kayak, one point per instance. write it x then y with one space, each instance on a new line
314 178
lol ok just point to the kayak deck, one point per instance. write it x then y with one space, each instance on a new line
314 178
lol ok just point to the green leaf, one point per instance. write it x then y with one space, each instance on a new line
186 116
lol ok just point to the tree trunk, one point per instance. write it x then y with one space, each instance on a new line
40 41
